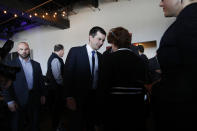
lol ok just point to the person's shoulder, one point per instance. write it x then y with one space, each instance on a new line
99 53
77 48
13 62
143 55
35 62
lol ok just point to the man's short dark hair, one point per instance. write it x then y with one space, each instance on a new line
58 47
141 48
96 29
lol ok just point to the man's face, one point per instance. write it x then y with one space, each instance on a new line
23 50
171 8
97 41
61 53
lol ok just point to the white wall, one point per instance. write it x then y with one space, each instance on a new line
144 18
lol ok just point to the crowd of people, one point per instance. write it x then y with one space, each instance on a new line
106 92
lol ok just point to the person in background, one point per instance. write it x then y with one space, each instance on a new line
26 94
155 70
54 76
177 55
134 49
142 55
81 78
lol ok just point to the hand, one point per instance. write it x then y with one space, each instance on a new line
71 103
12 106
42 100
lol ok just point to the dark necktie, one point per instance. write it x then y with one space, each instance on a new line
93 63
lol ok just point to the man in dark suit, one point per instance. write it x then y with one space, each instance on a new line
177 58
81 78
142 55
25 96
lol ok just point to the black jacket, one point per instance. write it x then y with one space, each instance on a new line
77 73
50 78
122 68
177 57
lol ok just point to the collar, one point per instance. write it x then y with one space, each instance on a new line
124 49
22 60
55 54
89 49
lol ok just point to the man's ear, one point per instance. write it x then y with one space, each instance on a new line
90 37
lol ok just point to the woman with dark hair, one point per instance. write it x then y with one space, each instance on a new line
123 77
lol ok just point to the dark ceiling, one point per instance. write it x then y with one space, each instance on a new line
19 15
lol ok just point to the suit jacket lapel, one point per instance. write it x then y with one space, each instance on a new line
99 60
22 71
33 68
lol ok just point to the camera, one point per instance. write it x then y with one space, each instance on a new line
7 73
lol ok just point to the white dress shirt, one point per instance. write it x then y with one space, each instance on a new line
89 50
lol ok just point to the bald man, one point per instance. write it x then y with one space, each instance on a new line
26 94
177 56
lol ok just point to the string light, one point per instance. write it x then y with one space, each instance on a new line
44 15
36 14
